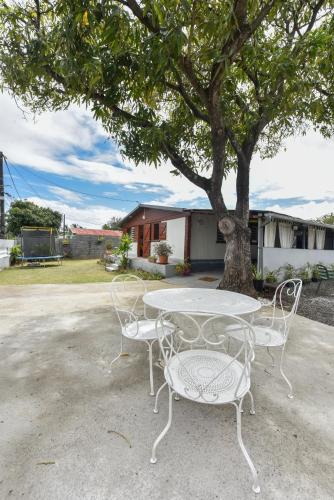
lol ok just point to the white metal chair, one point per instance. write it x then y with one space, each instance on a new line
271 331
198 367
127 291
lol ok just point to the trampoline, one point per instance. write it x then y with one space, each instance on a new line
39 245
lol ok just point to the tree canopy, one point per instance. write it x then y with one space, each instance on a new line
203 84
327 219
26 213
113 223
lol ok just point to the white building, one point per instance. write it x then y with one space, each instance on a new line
276 239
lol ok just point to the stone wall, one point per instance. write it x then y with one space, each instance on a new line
87 246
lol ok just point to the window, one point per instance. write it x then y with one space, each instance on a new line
155 232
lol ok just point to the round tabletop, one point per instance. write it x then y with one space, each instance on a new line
201 300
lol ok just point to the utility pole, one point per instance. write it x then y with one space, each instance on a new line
2 198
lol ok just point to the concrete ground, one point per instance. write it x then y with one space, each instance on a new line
70 430
207 279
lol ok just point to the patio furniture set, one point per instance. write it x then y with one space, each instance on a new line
207 340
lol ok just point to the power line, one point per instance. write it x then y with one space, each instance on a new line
33 190
77 191
10 174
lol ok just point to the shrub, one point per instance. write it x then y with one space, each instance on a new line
15 253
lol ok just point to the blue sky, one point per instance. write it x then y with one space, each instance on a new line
53 155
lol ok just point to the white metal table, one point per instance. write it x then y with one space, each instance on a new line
201 300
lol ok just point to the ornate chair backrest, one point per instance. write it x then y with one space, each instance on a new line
204 332
127 291
285 304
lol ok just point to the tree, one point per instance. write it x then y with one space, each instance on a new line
204 84
26 213
327 219
113 223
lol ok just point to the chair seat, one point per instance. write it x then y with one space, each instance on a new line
145 330
265 336
189 373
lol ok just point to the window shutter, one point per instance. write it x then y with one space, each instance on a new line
152 232
163 230
135 233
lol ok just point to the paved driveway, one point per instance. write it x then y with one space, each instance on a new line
70 430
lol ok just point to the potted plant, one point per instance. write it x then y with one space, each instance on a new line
152 258
183 268
305 274
163 251
258 280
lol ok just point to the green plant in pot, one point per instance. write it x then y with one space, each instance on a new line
289 272
258 280
183 268
163 251
15 254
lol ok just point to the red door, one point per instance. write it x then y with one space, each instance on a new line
146 240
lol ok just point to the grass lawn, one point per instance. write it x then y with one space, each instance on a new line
72 271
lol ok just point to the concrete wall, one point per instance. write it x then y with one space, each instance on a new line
5 247
175 237
7 244
273 258
88 247
203 238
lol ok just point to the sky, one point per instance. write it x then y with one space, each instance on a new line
66 161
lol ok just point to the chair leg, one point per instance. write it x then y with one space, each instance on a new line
290 395
165 430
271 356
255 486
118 355
150 360
252 410
156 410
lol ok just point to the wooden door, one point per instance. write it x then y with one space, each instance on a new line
146 240
140 241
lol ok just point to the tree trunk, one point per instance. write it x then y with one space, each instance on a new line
238 265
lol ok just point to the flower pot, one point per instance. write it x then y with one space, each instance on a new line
163 259
258 285
186 272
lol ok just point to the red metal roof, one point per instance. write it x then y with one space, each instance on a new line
96 232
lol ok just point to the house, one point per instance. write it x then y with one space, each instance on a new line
276 239
85 243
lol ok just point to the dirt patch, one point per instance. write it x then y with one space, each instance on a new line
317 307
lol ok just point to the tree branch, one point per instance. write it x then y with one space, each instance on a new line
192 106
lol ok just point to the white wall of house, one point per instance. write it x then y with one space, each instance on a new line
273 258
176 231
203 244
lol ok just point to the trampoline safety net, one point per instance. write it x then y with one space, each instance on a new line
39 242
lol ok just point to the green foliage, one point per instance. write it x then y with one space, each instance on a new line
256 275
327 219
27 213
272 276
123 250
183 268
289 272
163 249
15 253
142 75
113 223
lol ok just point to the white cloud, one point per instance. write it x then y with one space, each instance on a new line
65 194
92 216
50 143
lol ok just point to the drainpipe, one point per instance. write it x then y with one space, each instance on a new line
260 245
